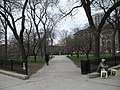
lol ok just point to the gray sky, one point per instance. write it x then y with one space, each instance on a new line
78 20
68 23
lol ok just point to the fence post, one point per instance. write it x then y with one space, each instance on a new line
11 65
1 63
115 60
26 66
89 69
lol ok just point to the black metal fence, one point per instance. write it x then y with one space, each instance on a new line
88 66
13 65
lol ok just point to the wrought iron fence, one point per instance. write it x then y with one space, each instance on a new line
14 65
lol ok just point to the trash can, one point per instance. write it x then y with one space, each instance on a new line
85 66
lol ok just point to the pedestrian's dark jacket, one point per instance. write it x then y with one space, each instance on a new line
47 57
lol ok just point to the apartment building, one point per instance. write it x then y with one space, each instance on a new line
106 35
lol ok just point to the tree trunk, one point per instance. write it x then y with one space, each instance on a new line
41 50
23 53
35 57
87 56
96 34
96 45
77 53
6 55
5 27
113 43
24 56
28 49
119 41
45 37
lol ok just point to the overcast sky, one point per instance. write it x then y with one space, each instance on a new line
68 23
78 20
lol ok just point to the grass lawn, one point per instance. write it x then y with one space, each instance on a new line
75 60
83 57
39 59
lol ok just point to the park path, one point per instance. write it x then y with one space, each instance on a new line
59 66
61 74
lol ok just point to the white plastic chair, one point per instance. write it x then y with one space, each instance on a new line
113 72
104 73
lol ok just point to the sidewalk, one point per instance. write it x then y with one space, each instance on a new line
61 74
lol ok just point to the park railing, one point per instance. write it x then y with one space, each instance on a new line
14 65
89 66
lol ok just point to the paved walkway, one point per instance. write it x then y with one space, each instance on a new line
61 74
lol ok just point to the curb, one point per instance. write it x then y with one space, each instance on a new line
13 74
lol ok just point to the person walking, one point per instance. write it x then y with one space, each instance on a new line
47 59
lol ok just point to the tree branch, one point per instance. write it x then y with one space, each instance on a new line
107 14
23 20
66 14
18 19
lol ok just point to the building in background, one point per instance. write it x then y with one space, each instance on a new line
97 18
106 35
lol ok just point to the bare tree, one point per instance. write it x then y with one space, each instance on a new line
84 40
87 5
113 20
11 23
27 36
70 44
4 24
43 18
67 41
1 33
13 49
31 39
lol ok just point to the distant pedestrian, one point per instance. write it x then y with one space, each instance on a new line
47 59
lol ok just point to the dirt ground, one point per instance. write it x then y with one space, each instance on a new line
34 67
